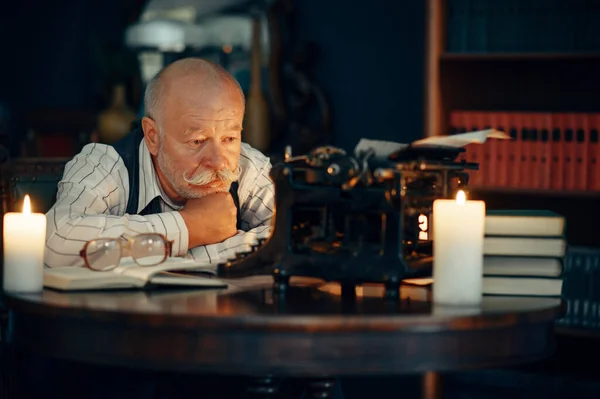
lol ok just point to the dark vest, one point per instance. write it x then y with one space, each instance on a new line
128 149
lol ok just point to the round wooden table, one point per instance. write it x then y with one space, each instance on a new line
304 333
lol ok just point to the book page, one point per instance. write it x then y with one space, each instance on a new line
129 268
83 278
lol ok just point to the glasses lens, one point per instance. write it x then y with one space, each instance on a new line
149 249
103 254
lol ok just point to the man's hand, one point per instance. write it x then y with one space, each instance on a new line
210 219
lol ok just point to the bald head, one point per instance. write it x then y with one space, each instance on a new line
188 77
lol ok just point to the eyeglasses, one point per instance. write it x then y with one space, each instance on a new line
104 254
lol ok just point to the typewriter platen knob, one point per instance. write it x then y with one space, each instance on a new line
333 169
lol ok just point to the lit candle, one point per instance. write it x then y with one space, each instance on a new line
458 231
24 245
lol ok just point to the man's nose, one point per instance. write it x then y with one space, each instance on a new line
214 157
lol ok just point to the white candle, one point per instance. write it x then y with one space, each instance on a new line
24 245
458 231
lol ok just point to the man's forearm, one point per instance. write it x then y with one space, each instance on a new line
68 232
226 250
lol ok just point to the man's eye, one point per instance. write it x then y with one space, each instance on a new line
197 143
230 139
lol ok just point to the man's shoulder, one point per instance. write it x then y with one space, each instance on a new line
256 168
95 156
97 150
252 159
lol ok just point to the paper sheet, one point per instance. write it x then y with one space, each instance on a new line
384 149
461 140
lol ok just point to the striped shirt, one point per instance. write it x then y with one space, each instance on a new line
92 200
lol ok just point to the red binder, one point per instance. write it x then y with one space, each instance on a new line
485 150
557 167
593 171
581 144
532 151
544 124
514 152
503 148
570 151
523 150
495 121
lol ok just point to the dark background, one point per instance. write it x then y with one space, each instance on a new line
370 64
370 60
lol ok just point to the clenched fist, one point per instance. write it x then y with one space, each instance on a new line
210 219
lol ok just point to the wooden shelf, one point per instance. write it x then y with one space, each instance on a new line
537 192
535 85
544 81
519 56
513 81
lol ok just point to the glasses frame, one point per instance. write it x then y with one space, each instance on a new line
128 241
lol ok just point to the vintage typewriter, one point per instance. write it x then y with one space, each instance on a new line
354 218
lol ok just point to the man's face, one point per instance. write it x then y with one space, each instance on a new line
200 142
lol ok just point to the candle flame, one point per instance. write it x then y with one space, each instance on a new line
461 197
26 205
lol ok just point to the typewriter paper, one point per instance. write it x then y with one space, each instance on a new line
383 149
461 140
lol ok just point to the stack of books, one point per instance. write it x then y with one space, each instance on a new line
524 253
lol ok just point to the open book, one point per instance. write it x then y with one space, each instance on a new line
131 275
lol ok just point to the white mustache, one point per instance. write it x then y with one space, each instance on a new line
207 176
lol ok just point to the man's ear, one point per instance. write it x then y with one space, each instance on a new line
151 135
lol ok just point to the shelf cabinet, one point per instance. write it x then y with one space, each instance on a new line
549 78
502 81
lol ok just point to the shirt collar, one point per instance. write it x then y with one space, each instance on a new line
149 186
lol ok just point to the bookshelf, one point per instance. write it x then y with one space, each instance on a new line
519 56
536 74
496 80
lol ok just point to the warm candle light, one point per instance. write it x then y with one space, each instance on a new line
461 197
24 246
26 205
458 230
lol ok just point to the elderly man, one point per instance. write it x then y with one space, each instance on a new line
185 174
